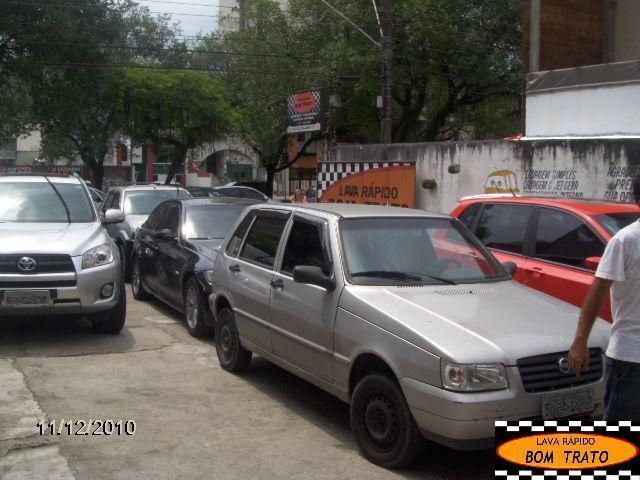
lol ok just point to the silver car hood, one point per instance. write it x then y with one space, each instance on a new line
64 238
489 322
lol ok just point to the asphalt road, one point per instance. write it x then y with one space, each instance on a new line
192 419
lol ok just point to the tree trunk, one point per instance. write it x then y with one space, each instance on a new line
177 163
268 188
98 175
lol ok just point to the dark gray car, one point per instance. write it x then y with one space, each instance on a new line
136 202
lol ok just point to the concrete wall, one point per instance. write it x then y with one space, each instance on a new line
627 34
593 111
573 169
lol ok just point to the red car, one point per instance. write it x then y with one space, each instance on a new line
555 242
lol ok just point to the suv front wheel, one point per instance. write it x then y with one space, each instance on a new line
112 320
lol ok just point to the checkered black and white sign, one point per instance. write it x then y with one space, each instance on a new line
329 173
510 430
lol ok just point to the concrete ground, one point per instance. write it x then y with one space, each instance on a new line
193 420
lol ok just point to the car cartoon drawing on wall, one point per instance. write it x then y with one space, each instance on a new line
501 181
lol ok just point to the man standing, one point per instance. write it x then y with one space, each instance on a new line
619 272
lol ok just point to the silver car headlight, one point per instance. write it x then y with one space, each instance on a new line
208 275
100 255
473 377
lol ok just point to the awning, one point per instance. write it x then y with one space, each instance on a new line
607 74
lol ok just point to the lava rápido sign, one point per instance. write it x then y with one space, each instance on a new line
570 450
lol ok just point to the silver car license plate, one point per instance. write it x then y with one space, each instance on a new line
25 298
567 404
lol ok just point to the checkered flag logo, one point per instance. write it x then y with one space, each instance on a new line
530 461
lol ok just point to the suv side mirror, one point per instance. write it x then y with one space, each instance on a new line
166 234
510 267
313 276
592 263
112 215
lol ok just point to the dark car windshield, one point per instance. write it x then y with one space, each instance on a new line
36 201
142 202
209 222
392 251
612 222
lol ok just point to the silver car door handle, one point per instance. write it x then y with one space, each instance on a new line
234 268
279 284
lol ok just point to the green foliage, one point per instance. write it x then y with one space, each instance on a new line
179 109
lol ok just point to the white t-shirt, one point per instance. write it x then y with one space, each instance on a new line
621 263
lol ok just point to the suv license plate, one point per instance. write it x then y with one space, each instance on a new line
566 405
26 298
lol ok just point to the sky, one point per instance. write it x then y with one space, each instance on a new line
195 16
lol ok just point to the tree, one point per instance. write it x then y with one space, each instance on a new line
456 68
67 57
260 66
177 109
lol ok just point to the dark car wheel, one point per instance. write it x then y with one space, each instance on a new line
126 263
139 292
194 309
111 321
232 356
382 422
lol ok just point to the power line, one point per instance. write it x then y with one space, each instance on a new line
175 50
155 67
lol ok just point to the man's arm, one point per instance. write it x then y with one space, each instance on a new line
579 353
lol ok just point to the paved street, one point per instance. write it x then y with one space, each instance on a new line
193 420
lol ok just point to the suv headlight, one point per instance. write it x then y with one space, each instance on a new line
100 255
208 275
473 377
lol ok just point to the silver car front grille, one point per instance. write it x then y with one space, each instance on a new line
543 373
44 263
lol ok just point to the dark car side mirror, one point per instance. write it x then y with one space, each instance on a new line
165 234
510 267
592 262
313 276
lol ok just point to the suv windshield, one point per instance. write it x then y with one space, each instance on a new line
612 222
142 202
37 201
389 251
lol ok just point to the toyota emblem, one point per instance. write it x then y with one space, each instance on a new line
563 366
27 264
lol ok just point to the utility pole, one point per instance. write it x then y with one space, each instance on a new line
386 51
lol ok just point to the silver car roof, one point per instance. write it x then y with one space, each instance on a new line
347 210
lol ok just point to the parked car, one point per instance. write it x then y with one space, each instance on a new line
174 251
555 242
136 202
403 314
55 256
237 191
96 195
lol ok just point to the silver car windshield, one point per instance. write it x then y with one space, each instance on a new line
39 202
391 251
142 202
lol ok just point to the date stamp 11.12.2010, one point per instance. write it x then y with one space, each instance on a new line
87 427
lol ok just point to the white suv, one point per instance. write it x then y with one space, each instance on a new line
56 256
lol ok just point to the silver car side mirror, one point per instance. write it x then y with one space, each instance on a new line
112 215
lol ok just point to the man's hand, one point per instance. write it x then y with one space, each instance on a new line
579 353
579 357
